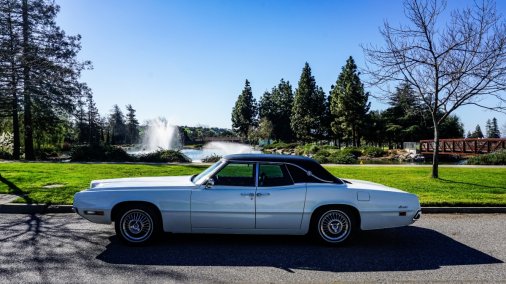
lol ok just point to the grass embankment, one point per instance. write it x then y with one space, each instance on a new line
456 187
30 178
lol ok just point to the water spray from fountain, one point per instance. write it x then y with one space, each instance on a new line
160 134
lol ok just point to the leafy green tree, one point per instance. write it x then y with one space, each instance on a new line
375 133
307 121
263 131
452 127
244 113
349 103
132 125
276 107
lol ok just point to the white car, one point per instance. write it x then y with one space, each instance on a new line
247 194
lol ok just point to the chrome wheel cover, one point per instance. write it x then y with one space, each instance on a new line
136 225
334 226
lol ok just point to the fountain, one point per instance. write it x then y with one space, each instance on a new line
219 149
160 134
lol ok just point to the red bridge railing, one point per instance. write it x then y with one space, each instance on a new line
464 146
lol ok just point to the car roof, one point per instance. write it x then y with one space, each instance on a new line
301 161
268 158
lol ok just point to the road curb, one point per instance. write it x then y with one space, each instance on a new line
470 210
15 208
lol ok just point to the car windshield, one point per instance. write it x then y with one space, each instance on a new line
204 175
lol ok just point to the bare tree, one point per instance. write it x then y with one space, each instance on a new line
451 60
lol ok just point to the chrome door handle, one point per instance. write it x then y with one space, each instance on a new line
263 194
247 194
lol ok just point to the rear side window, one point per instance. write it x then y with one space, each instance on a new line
273 175
300 176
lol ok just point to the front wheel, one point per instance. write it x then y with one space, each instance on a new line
137 225
335 226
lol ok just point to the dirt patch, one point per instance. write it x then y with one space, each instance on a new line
55 185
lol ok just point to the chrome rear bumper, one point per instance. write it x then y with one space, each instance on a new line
418 215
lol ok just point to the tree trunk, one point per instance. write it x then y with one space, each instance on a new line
435 153
15 126
29 154
14 93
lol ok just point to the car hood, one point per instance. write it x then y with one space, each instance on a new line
143 182
367 185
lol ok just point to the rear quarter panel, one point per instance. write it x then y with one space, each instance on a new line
379 210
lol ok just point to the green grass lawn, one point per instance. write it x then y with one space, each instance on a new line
457 186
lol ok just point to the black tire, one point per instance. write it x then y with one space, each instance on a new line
137 225
335 226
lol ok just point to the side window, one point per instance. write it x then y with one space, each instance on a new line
300 176
236 174
273 175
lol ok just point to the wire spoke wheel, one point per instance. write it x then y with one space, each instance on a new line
136 225
334 226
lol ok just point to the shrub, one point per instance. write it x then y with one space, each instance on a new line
373 152
495 158
307 149
117 154
4 155
164 156
356 152
211 159
329 147
281 145
46 152
88 153
342 157
322 157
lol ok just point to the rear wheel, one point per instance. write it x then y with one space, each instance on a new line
335 226
137 224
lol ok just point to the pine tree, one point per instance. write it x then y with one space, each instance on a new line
477 132
276 106
10 50
43 71
118 130
309 104
81 123
94 122
132 125
488 128
494 129
244 113
349 103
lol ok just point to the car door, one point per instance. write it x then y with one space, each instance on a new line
229 203
279 202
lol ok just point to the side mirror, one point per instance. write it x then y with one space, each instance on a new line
209 183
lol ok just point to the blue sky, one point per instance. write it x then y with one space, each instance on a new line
187 60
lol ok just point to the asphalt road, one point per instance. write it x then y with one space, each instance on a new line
66 248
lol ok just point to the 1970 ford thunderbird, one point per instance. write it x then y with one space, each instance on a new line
247 194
